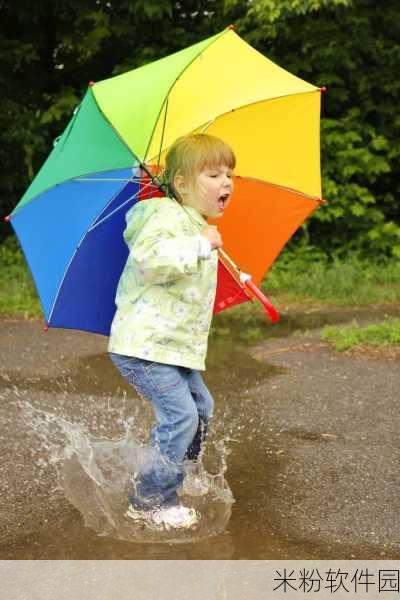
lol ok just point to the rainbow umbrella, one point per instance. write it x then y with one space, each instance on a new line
70 220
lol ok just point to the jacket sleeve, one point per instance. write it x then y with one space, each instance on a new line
162 254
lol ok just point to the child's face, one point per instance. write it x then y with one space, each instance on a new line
210 192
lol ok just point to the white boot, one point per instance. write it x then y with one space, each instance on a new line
169 517
175 517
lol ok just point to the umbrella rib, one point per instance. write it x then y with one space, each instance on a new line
202 129
162 135
140 191
130 179
95 180
172 86
75 180
285 188
113 212
266 100
211 121
73 256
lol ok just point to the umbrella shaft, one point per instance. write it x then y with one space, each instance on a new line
228 260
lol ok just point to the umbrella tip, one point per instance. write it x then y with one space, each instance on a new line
7 218
46 327
231 26
91 83
322 89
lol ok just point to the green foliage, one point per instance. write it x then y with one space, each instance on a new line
17 292
357 159
50 49
307 275
270 15
381 334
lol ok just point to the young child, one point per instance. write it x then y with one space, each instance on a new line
165 300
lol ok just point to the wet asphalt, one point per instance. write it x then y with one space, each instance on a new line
313 438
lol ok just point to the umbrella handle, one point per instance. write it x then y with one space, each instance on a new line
246 281
269 309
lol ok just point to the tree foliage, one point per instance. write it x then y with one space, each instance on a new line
50 49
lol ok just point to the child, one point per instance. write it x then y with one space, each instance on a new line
165 301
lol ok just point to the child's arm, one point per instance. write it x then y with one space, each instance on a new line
163 254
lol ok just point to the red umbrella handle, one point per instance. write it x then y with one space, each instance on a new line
245 280
269 309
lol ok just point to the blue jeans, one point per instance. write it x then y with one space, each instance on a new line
183 407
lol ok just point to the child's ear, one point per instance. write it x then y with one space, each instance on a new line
179 184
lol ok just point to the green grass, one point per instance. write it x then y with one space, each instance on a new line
386 333
307 277
17 292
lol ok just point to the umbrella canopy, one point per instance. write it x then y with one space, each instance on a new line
70 220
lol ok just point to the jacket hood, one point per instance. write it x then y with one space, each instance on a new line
137 217
141 212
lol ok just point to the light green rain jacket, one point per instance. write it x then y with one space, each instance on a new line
166 293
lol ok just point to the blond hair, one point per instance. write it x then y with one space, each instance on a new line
192 153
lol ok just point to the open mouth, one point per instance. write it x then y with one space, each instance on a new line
222 200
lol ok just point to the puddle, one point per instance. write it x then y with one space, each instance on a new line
94 469
70 441
252 325
97 474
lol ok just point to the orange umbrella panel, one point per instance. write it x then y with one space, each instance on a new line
259 221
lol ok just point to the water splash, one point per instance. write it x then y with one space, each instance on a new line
97 473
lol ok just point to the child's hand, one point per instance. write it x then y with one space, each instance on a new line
213 236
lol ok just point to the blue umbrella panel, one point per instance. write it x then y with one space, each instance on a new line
72 238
